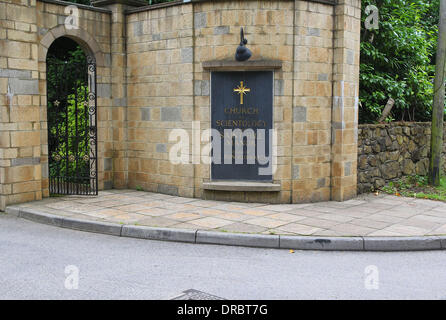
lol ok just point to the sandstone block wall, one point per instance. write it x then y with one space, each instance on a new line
27 30
20 150
269 28
160 96
318 45
312 102
387 152
151 80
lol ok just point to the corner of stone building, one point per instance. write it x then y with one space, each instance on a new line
344 115
20 147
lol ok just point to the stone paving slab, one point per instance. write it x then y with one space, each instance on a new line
366 216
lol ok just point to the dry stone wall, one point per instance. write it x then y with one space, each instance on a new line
387 152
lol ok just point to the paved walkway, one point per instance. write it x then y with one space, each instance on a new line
367 215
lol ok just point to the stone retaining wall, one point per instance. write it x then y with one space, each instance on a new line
387 152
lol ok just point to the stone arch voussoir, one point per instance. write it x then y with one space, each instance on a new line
81 36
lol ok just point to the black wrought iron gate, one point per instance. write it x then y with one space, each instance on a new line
72 127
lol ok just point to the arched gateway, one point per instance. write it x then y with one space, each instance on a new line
72 120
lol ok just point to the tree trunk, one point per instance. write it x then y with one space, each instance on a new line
387 109
438 106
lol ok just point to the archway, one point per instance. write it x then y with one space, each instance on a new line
72 121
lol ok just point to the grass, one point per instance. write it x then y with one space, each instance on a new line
417 187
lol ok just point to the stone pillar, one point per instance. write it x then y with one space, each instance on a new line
20 168
119 85
313 64
345 99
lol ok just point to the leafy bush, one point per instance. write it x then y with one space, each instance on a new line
397 60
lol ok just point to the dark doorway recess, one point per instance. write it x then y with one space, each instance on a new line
72 122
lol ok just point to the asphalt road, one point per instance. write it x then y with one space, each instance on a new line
42 262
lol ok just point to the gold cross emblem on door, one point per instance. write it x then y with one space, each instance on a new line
242 90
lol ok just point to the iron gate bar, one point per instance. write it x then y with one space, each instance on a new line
72 152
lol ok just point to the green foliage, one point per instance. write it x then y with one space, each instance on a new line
78 145
417 187
397 60
68 118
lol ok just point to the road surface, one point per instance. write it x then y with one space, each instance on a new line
44 262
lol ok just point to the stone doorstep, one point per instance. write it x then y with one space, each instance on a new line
242 186
236 239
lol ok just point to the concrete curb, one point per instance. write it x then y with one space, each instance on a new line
403 243
91 226
40 217
151 233
235 239
238 239
322 243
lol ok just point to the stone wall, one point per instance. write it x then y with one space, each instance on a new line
269 28
20 169
387 152
160 96
27 30
152 79
168 87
